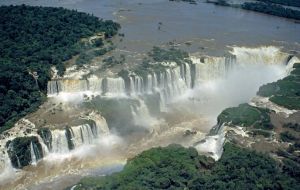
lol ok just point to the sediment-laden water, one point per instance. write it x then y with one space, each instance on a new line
91 125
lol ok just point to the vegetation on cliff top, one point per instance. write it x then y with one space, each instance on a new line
291 155
246 116
175 167
32 40
19 150
284 92
157 55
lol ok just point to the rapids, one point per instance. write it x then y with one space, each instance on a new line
85 136
176 105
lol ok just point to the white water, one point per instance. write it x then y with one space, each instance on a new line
32 154
263 55
211 69
141 116
212 145
95 84
219 82
8 173
59 141
115 87
136 85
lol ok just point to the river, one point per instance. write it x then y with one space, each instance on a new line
208 29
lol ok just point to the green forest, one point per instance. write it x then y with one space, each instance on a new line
176 167
284 92
272 9
295 3
32 40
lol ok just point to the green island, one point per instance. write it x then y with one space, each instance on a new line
246 116
283 2
255 120
284 92
271 7
176 167
156 55
33 39
187 1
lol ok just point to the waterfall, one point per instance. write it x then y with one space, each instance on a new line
52 87
131 85
59 142
230 62
179 84
95 84
70 85
168 84
7 171
84 134
115 87
32 154
18 161
100 122
163 101
155 82
210 69
290 63
45 148
76 136
173 81
187 74
149 85
136 85
141 115
212 145
261 55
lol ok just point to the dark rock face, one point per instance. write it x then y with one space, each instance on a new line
19 151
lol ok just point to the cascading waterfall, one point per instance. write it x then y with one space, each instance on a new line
141 115
68 85
7 171
59 142
136 85
186 74
73 85
84 134
210 69
72 137
31 149
32 154
262 55
149 83
179 84
95 84
167 84
115 87
173 81
53 88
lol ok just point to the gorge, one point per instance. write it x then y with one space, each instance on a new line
131 106
145 87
